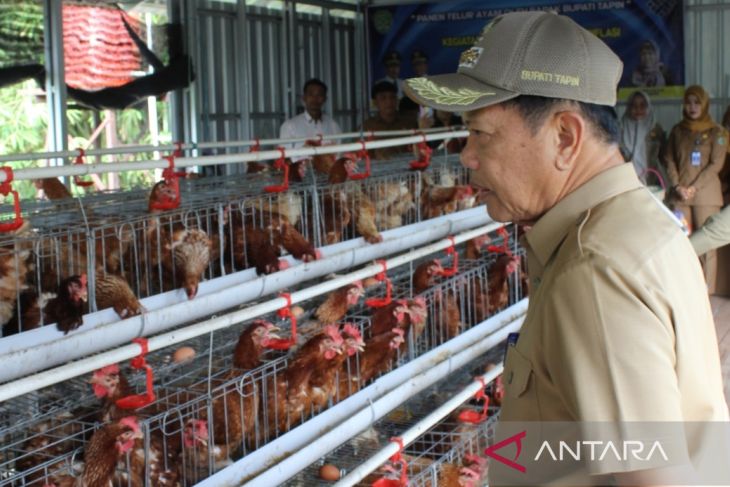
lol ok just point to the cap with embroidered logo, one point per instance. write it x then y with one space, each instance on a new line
391 58
418 57
525 53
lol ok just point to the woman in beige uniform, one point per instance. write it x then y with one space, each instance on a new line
694 157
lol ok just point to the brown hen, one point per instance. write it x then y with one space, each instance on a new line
338 302
290 392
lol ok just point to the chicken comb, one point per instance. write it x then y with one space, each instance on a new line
83 279
352 330
333 332
107 370
130 422
201 426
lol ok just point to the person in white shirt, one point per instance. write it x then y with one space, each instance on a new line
392 71
313 121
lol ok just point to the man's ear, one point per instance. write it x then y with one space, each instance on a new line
570 131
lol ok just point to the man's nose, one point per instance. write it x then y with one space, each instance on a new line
468 158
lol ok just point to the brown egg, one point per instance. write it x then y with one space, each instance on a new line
297 311
183 354
370 282
329 472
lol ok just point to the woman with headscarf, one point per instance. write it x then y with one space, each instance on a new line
641 135
694 157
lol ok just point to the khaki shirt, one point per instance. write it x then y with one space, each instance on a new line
713 234
401 122
712 146
619 326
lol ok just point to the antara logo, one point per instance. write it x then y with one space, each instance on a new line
517 439
599 450
595 450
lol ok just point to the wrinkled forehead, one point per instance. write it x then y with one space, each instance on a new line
490 117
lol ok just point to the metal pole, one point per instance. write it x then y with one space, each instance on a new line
102 168
55 77
130 149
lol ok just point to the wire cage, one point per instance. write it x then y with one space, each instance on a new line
189 430
203 391
449 440
463 447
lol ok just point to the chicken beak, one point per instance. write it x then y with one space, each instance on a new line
84 296
192 291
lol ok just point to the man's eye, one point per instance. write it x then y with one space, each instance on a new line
478 133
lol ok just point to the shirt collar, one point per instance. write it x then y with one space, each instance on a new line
553 226
309 118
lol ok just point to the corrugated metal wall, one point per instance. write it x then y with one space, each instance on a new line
267 79
219 99
252 62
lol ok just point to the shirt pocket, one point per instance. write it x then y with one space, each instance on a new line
518 374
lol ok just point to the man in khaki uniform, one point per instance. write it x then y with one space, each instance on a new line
385 99
713 234
619 327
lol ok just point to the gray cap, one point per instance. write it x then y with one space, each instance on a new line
525 53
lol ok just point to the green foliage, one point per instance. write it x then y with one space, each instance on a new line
24 114
23 120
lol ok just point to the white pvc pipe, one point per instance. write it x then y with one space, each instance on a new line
418 429
359 135
180 162
131 149
306 444
76 344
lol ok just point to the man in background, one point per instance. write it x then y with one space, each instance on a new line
385 99
313 121
392 72
406 106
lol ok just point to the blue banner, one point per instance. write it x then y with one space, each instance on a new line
647 35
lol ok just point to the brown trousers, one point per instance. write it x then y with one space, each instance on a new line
696 217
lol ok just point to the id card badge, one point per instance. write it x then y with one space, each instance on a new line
695 158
